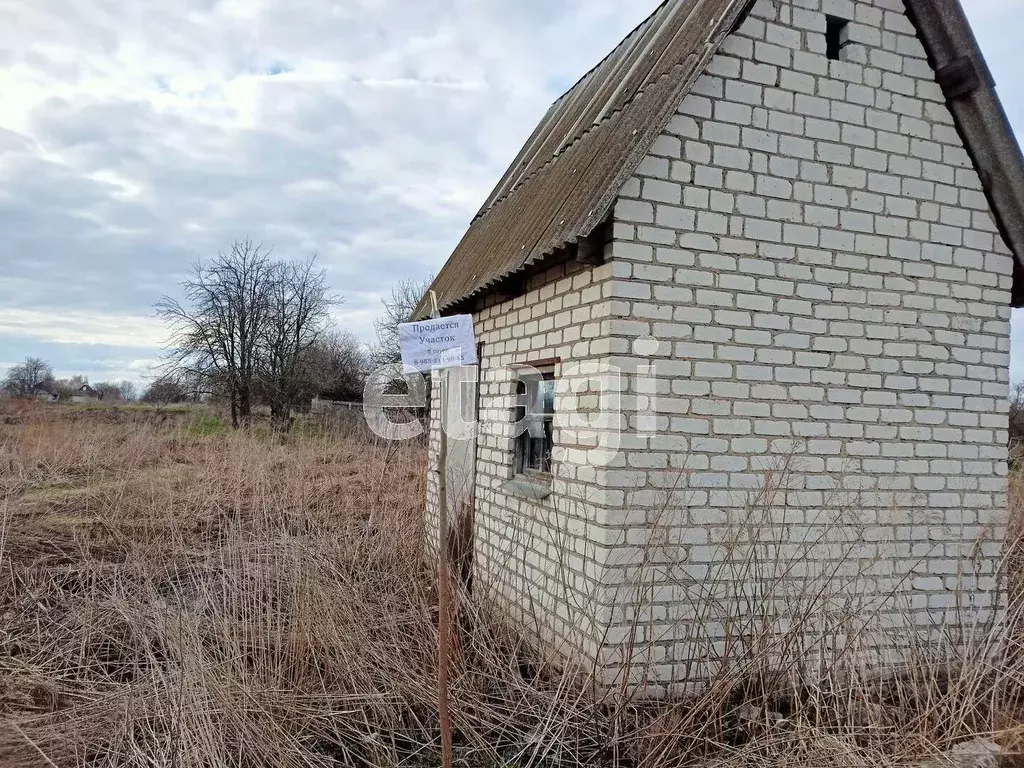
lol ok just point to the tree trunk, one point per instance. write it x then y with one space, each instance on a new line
234 409
280 417
244 406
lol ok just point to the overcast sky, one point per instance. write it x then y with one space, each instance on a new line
137 136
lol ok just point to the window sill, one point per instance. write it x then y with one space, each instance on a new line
527 487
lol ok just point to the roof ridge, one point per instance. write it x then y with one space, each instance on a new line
578 138
607 122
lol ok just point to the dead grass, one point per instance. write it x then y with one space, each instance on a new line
172 597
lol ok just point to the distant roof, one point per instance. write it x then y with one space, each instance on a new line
565 180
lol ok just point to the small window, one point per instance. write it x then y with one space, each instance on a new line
535 415
835 36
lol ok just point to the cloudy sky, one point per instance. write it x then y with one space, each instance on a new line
139 135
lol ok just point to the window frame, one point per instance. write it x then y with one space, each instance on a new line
533 373
835 29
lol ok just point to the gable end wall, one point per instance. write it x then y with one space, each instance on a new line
810 241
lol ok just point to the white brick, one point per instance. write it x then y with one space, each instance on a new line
632 210
810 243
662 191
732 427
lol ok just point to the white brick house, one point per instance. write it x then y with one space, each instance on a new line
757 240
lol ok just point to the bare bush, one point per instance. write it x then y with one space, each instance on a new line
23 379
338 365
172 597
1016 421
167 389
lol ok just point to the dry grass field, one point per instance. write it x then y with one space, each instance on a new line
174 594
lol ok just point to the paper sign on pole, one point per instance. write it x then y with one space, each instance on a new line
430 345
446 342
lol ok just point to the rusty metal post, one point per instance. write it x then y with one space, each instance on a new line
444 616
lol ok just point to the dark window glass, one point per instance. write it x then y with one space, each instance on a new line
835 36
535 412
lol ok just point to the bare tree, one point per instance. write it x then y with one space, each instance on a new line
107 390
217 329
398 309
22 379
297 320
129 392
338 366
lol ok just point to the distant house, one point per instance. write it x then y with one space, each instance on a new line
86 394
756 235
45 391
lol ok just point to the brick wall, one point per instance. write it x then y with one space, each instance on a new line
541 557
807 263
810 245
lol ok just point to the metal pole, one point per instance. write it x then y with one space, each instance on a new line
444 628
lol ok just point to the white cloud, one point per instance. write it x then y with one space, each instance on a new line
77 327
138 135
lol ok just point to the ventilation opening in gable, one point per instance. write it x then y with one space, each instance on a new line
835 36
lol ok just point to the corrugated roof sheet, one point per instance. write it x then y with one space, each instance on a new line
564 182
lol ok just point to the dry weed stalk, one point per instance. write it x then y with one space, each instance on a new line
171 598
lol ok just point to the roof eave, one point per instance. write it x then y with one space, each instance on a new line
724 22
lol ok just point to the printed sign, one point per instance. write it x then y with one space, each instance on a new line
446 342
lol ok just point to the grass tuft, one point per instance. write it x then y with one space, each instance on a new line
175 594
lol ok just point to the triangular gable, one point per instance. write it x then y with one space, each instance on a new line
980 119
565 180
